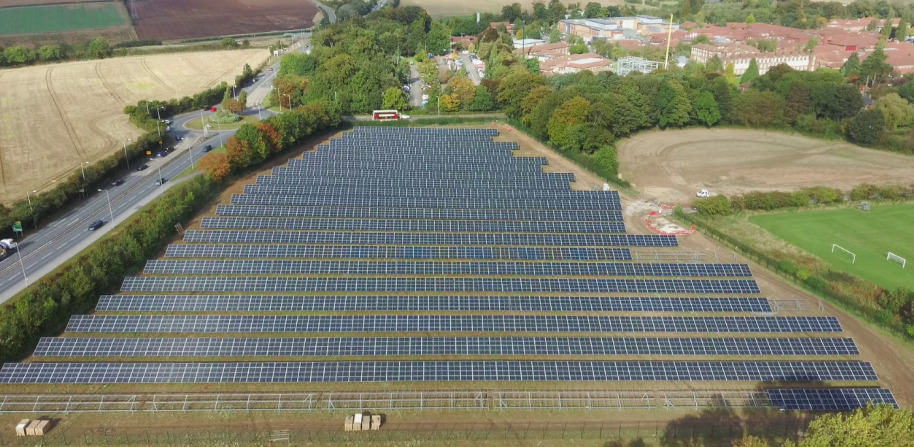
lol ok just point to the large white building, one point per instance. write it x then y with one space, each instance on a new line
741 55
615 28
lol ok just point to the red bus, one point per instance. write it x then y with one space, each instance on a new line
386 115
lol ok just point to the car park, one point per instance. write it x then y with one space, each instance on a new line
96 225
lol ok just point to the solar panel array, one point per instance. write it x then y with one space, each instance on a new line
389 243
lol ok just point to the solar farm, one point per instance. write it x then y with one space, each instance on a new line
435 259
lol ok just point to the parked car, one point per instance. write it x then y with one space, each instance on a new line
160 181
96 225
703 193
117 182
141 167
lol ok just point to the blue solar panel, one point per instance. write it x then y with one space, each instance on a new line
829 399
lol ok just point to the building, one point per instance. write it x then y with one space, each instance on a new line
741 55
527 43
858 25
615 28
508 26
464 41
575 63
547 51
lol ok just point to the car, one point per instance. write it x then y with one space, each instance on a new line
96 225
167 128
141 167
212 109
160 154
404 117
207 148
703 193
117 182
160 181
270 69
179 138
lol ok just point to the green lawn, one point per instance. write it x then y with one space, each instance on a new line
868 234
56 18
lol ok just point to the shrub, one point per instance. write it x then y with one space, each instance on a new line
713 206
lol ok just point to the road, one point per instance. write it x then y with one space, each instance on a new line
472 72
44 250
328 11
415 87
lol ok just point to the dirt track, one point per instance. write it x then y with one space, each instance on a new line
670 166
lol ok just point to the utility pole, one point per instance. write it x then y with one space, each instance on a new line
126 158
669 37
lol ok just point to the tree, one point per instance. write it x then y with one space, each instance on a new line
578 48
593 10
886 30
483 102
239 153
449 103
99 48
706 109
799 101
851 66
555 35
896 110
730 75
512 12
464 89
243 98
750 19
673 105
216 165
714 65
751 72
757 109
866 128
567 126
50 53
270 136
880 425
875 66
901 31
514 88
394 98
751 441
872 25
439 38
233 105
428 71
19 55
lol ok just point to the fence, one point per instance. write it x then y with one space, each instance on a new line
405 400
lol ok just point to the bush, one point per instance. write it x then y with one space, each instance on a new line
713 206
606 159
816 283
787 267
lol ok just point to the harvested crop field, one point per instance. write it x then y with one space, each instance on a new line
62 17
186 19
53 117
670 166
438 8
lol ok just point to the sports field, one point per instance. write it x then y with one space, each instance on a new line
57 18
869 235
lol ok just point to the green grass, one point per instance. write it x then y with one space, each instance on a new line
196 124
56 18
868 234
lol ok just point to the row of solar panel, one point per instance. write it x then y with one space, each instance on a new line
396 149
419 132
421 225
348 171
345 212
443 323
512 164
410 346
432 284
419 239
506 268
337 303
427 202
382 252
434 371
547 181
829 399
465 193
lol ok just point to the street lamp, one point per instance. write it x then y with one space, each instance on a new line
126 158
290 100
258 112
82 168
190 154
159 167
203 123
160 119
29 197
21 264
110 210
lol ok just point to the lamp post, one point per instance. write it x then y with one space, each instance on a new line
219 126
126 158
159 120
110 210
190 154
21 264
290 100
29 197
83 169
160 174
258 112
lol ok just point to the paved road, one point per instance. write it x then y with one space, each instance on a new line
472 72
44 250
328 11
415 87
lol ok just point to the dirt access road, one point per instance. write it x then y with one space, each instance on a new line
671 166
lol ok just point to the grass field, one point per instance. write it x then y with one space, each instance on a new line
869 235
57 18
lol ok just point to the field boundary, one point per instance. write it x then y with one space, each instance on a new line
397 400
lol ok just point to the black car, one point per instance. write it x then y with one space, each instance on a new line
142 167
117 182
160 181
96 225
207 148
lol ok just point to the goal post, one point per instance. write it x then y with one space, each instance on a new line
893 257
853 255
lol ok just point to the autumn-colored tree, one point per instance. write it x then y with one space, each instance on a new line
464 89
450 103
216 165
239 152
233 105
271 136
880 425
567 126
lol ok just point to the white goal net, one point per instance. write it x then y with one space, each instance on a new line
842 249
893 257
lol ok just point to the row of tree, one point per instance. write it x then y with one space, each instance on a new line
20 55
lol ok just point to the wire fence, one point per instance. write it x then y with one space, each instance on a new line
404 400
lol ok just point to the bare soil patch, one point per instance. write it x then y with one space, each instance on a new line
187 19
55 117
670 166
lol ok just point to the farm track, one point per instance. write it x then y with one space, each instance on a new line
194 67
49 84
156 77
98 72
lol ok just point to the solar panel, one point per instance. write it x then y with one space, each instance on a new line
418 213
435 284
346 171
442 323
429 346
447 226
434 371
426 202
394 252
437 239
498 268
549 180
829 399
465 192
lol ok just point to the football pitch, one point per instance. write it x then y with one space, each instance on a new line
867 234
